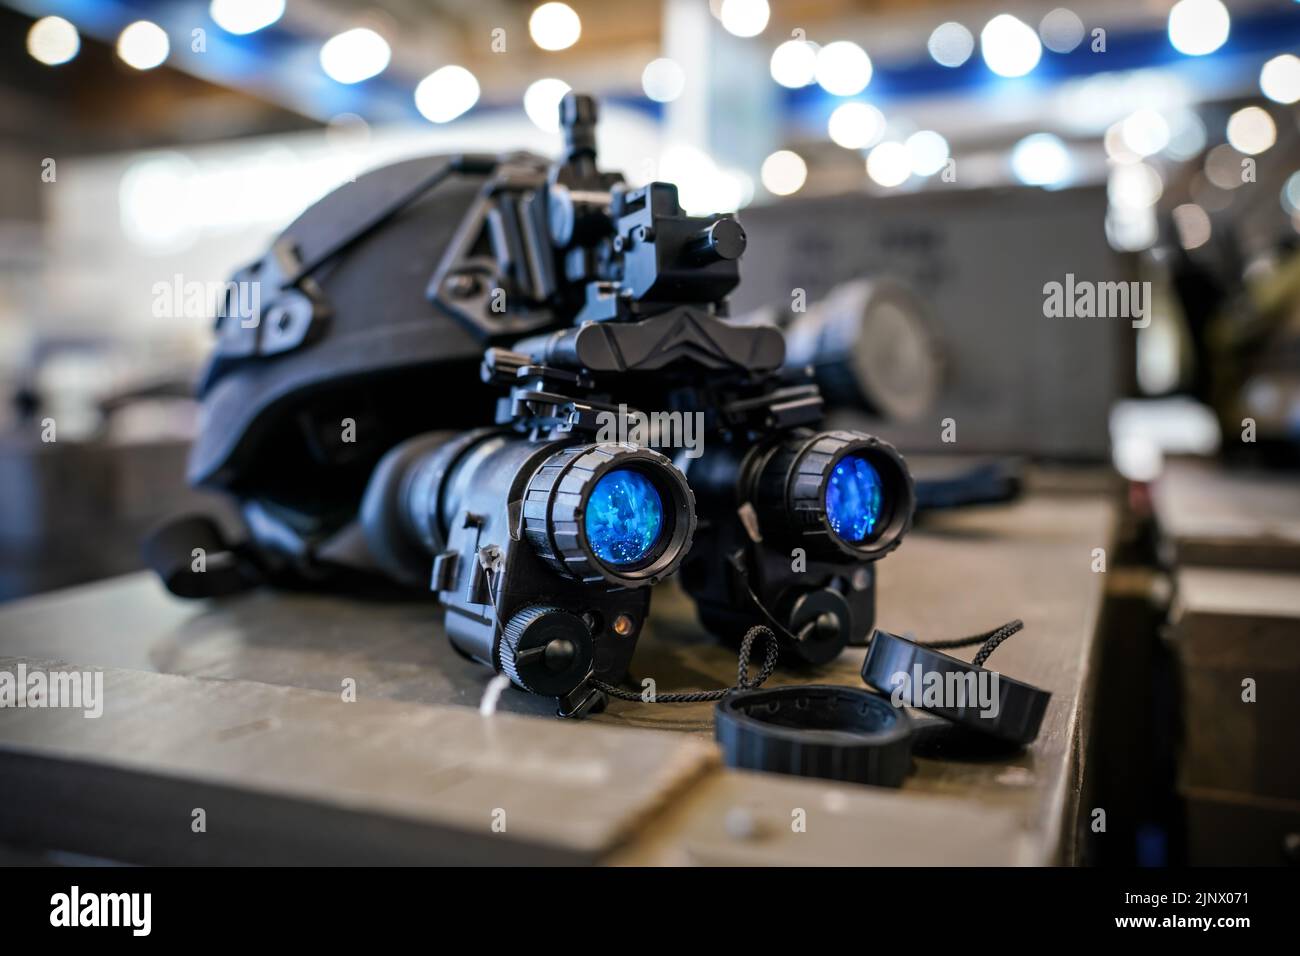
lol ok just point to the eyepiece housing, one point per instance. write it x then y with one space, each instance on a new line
840 493
621 515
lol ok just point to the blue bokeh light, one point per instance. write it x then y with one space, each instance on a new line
854 498
625 517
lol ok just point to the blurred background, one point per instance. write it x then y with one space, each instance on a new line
920 172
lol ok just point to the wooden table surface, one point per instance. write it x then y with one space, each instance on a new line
959 573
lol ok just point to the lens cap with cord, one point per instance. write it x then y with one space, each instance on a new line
858 735
816 730
971 695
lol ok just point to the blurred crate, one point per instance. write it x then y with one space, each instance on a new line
1229 627
1229 518
1226 829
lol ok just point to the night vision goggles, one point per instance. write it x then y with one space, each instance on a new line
528 311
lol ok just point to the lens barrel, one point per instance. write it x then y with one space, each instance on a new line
871 348
613 514
402 514
836 494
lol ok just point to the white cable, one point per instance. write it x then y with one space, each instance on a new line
488 705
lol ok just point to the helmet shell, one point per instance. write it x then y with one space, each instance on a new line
378 355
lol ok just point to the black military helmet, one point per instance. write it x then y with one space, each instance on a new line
363 325
330 351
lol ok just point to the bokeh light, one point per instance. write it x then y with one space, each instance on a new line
555 26
1279 79
1198 27
241 17
1041 159
856 125
663 80
1251 130
446 93
355 55
783 173
542 103
53 40
744 18
794 64
1010 47
951 44
889 164
843 68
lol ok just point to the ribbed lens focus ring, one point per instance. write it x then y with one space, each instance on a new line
836 493
618 514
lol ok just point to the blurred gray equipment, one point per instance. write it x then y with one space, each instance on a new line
1254 357
74 506
1014 380
74 511
871 346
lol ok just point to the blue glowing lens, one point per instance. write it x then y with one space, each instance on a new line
854 498
625 517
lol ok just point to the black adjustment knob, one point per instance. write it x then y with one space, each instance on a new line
722 240
546 651
820 621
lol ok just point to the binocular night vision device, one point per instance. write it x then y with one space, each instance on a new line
600 320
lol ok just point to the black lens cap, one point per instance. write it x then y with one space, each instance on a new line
978 698
816 730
